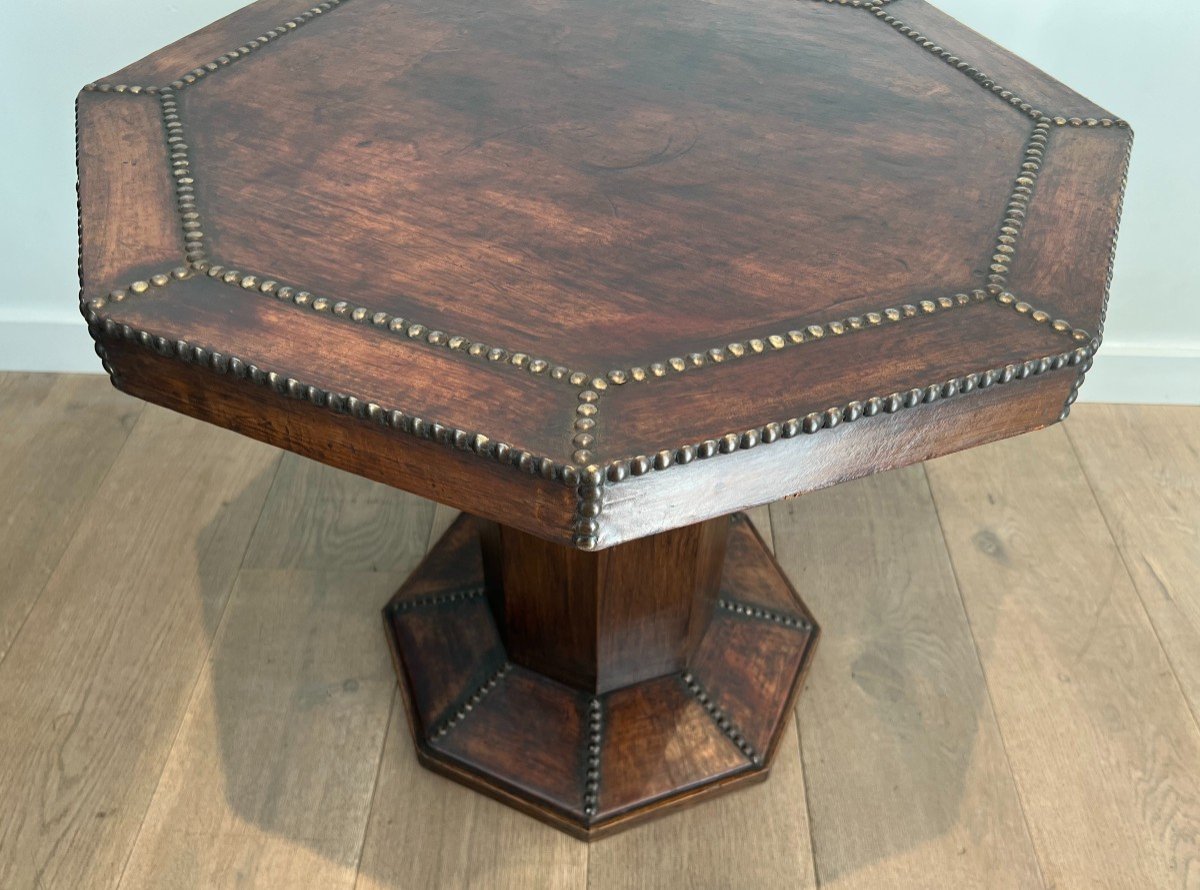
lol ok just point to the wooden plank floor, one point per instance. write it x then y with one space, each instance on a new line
195 691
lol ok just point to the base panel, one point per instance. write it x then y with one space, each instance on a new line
595 764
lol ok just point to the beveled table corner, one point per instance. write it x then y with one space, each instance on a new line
600 275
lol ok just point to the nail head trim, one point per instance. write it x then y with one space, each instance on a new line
469 441
467 704
727 726
591 781
759 613
440 599
817 421
769 343
404 328
1018 207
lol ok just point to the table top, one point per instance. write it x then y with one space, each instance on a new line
599 268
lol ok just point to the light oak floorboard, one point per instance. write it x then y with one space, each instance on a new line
93 690
760 518
908 783
156 725
58 437
1143 464
1103 748
443 516
755 837
270 781
319 518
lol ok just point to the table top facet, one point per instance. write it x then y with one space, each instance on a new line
614 249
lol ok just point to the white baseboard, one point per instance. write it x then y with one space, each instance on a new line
54 343
1122 373
1129 373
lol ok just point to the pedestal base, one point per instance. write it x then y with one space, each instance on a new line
594 764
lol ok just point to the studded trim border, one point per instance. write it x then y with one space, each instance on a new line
719 717
591 776
584 427
341 403
195 251
588 506
586 476
394 324
1018 207
467 704
758 613
439 599
1041 316
815 422
225 59
877 8
769 343
1112 258
198 258
1116 232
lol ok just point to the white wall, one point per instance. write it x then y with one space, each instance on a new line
1133 58
1137 60
48 50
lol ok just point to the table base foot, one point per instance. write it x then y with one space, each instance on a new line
592 764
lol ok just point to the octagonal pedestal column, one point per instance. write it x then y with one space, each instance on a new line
593 690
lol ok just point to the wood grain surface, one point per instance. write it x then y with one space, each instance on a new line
596 196
808 463
830 372
358 361
129 229
1073 217
600 621
602 183
448 475
641 722
208 43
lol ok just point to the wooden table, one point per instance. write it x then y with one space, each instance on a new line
599 273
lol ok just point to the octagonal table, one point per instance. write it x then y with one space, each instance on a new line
599 273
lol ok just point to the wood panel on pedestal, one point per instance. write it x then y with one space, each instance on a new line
430 832
758 837
602 621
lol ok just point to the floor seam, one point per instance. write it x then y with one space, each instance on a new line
199 675
808 813
987 687
383 746
1129 573
75 531
812 841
